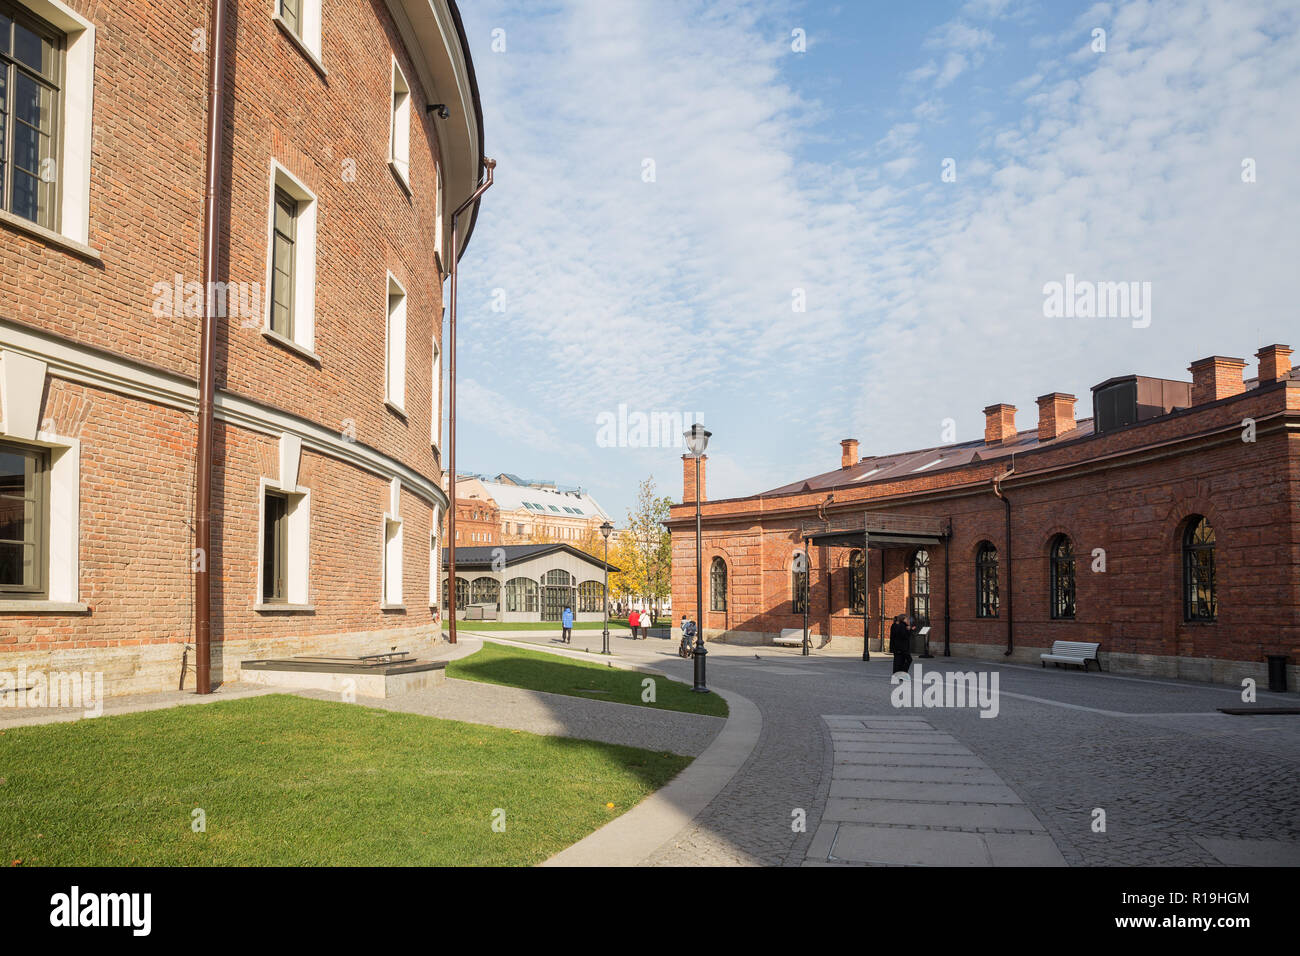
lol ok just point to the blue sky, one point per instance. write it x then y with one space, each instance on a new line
785 178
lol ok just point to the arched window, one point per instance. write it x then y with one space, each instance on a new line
521 595
462 593
1200 602
558 578
484 591
857 583
986 580
799 583
590 594
718 585
1062 578
918 598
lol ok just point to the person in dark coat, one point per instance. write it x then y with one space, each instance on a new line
900 644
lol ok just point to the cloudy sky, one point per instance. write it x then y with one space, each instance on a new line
741 210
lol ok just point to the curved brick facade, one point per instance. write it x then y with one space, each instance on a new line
93 373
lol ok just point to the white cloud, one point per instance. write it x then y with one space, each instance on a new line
921 304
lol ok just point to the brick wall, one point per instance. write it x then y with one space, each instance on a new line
1127 493
137 456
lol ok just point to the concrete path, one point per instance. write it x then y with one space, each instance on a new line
902 793
556 715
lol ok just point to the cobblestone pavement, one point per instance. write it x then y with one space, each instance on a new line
1177 781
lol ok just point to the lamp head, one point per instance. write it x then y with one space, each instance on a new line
697 439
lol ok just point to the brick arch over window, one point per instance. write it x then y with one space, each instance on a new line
718 573
1062 577
988 563
1170 540
793 582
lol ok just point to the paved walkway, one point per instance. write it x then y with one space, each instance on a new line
1176 782
903 793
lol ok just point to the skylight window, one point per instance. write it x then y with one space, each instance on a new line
928 464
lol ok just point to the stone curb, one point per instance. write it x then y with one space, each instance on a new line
637 834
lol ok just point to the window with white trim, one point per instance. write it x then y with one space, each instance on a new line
291 263
392 561
46 82
24 521
399 127
301 19
435 425
435 563
283 556
395 370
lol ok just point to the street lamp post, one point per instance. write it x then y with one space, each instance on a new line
697 439
605 529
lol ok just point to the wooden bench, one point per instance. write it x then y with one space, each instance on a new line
791 637
1072 652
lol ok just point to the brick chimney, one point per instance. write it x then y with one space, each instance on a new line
848 453
688 478
1055 415
999 424
1216 377
1274 363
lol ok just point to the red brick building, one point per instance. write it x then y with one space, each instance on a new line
1166 526
478 523
352 131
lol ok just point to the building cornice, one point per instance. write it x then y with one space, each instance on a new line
97 368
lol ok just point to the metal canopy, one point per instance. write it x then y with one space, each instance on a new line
882 530
879 540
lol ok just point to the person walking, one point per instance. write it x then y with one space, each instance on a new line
643 619
633 619
566 619
900 644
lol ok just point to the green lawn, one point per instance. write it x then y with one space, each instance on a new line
293 781
595 680
487 627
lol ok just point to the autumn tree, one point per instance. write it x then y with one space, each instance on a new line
644 551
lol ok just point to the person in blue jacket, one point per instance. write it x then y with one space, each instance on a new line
567 620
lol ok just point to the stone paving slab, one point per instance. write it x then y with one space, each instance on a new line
906 760
912 774
965 816
892 737
899 846
951 792
900 809
856 746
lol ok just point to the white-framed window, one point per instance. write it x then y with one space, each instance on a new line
435 424
395 347
435 561
399 128
301 20
290 290
40 496
284 546
439 212
47 67
392 596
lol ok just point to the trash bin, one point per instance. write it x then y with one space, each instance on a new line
1277 672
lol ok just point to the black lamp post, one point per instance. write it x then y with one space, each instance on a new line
605 529
697 439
